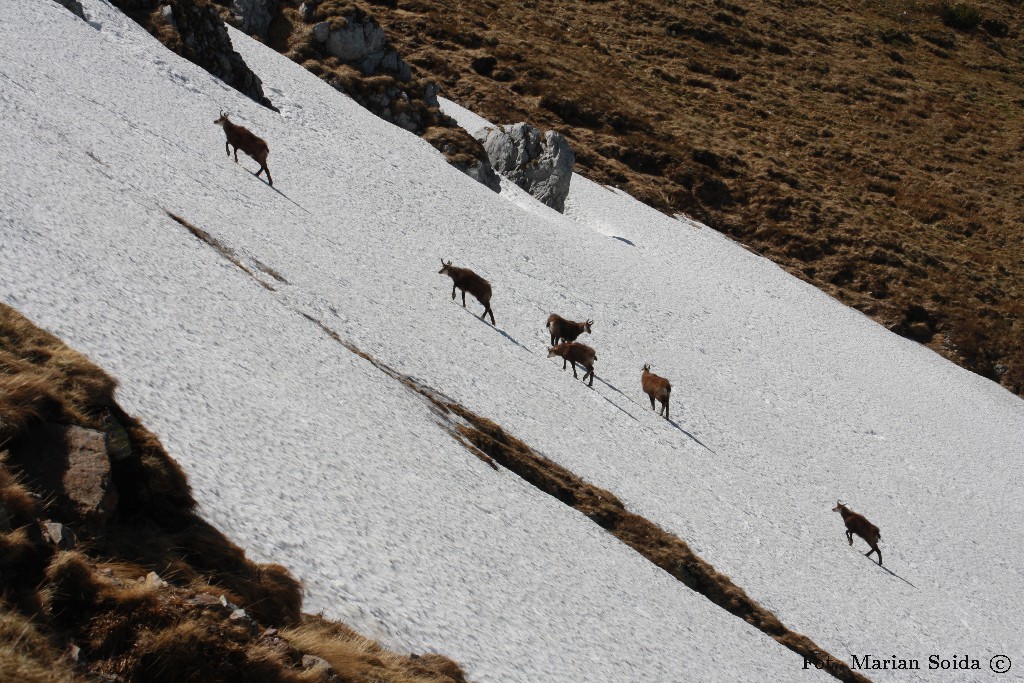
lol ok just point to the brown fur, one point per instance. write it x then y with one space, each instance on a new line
241 138
656 388
563 330
858 524
574 353
468 281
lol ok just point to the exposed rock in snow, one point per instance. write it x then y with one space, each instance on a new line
359 41
74 6
199 35
254 16
540 163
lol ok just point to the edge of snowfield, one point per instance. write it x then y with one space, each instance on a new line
299 449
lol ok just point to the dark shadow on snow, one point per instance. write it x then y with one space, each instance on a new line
281 193
622 239
671 422
892 573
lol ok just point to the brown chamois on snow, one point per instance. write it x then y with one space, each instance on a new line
468 281
656 388
563 330
241 138
858 524
576 353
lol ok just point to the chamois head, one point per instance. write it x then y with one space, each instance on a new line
445 267
839 507
587 325
647 367
222 119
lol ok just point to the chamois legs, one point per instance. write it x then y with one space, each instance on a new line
849 537
463 298
874 549
486 311
664 409
590 371
573 369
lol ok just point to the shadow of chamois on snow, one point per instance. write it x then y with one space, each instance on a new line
670 421
892 573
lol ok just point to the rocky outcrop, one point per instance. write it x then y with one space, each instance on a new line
195 30
540 163
465 153
71 469
254 16
73 6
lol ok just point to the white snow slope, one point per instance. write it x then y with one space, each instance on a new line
783 399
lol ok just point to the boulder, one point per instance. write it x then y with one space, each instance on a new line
59 535
69 467
540 163
361 42
73 6
254 16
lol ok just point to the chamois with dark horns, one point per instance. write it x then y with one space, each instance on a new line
656 388
563 330
858 524
241 138
468 281
574 353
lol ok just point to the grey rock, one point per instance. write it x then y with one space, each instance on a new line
254 16
73 6
482 172
540 163
321 32
308 10
318 665
153 580
59 535
167 12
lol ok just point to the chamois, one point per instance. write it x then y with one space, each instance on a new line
241 138
656 388
858 524
468 281
563 330
576 353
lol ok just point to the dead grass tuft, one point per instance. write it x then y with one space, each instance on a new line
346 650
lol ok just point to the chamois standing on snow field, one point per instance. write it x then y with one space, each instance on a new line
858 524
563 330
241 138
656 388
576 353
468 281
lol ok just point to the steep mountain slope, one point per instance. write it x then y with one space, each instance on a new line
870 148
784 399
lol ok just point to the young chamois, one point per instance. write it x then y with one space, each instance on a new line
241 138
656 388
468 281
858 524
576 353
563 330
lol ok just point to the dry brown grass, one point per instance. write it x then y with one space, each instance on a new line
868 148
93 600
365 659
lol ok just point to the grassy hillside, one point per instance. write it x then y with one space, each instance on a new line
871 149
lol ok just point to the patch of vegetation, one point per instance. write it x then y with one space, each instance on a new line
153 592
961 16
